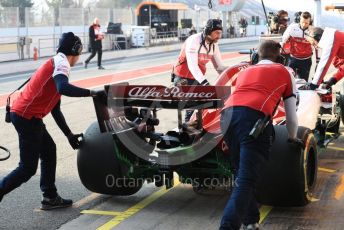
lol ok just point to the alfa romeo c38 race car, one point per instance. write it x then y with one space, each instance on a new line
123 148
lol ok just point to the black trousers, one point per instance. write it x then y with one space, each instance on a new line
94 50
34 143
301 67
178 81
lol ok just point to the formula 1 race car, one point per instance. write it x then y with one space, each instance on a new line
123 149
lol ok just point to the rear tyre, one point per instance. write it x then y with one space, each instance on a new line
99 169
341 102
290 175
341 106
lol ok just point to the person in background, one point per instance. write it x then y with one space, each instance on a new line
41 96
231 31
279 22
301 51
243 27
192 31
95 39
297 16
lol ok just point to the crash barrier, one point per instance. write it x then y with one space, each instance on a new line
8 48
20 48
164 38
116 42
42 46
48 46
4 153
40 23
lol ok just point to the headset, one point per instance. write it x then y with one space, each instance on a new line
211 25
77 46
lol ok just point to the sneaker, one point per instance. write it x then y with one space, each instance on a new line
57 202
251 227
101 67
85 64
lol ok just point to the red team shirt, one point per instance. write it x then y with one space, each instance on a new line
261 86
40 95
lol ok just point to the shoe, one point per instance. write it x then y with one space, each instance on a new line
101 67
85 64
57 202
1 195
251 227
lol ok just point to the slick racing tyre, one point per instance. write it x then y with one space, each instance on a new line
99 169
341 106
290 175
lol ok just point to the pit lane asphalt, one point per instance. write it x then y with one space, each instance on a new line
19 209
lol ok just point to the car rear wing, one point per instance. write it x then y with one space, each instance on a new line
123 97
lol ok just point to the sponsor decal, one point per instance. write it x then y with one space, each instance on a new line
175 92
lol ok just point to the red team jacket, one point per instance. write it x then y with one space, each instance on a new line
300 48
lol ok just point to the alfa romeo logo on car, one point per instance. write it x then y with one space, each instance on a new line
174 92
137 116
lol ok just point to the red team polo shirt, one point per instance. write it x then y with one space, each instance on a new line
261 86
40 95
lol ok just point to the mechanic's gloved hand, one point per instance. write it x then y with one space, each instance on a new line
75 140
309 86
205 82
101 94
296 141
328 84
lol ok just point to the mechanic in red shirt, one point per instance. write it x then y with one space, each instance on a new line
42 96
331 42
301 51
259 89
197 51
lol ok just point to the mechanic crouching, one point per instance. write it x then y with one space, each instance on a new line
248 131
331 42
197 51
41 96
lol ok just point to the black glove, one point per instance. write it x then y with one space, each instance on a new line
298 142
328 84
309 86
75 140
100 94
205 82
